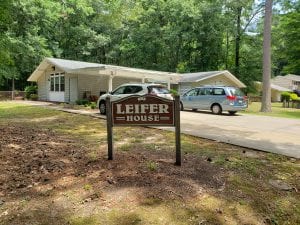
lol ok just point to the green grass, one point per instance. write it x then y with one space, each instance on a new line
277 110
247 198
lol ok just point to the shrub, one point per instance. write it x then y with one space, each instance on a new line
82 102
93 105
294 97
34 97
29 90
174 92
285 96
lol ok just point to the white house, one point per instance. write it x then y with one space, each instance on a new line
290 81
275 91
225 78
61 80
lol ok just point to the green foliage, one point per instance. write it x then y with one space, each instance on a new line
152 166
174 92
93 105
285 96
30 90
82 102
173 35
33 97
287 48
294 97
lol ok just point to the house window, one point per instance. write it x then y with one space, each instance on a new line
57 82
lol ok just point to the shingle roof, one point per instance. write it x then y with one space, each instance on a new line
279 88
293 77
194 77
67 65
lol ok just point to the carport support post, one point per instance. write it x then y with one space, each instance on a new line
109 129
177 131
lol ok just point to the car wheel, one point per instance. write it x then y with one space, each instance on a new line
232 112
181 106
216 109
102 107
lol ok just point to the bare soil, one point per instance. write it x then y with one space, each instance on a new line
39 164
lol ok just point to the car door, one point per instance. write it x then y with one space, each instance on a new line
189 99
206 98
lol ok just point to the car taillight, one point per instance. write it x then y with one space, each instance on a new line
231 98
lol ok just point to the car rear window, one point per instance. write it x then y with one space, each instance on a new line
158 90
235 92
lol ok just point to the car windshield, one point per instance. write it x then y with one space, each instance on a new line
158 90
235 92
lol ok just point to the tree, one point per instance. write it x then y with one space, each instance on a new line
266 97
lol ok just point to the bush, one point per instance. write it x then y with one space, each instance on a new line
174 92
82 102
285 96
34 97
93 105
29 90
294 97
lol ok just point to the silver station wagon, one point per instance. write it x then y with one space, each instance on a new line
214 98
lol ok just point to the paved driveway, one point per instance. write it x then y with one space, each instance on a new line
271 134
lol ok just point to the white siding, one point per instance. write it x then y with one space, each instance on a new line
42 87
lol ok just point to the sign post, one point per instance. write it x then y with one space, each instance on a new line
177 131
109 129
146 110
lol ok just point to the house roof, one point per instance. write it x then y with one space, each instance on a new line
288 77
96 69
71 66
275 87
196 77
293 77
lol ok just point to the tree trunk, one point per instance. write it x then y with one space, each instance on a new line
266 95
237 42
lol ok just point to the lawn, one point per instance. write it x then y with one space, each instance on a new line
54 170
277 110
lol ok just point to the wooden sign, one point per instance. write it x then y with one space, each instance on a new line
147 110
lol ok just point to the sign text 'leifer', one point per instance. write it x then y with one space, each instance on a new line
143 110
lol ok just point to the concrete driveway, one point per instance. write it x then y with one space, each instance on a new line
270 134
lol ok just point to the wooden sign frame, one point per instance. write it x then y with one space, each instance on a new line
146 110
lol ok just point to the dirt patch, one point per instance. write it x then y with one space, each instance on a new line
38 163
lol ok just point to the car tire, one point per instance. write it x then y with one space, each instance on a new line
181 106
216 109
232 112
102 107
